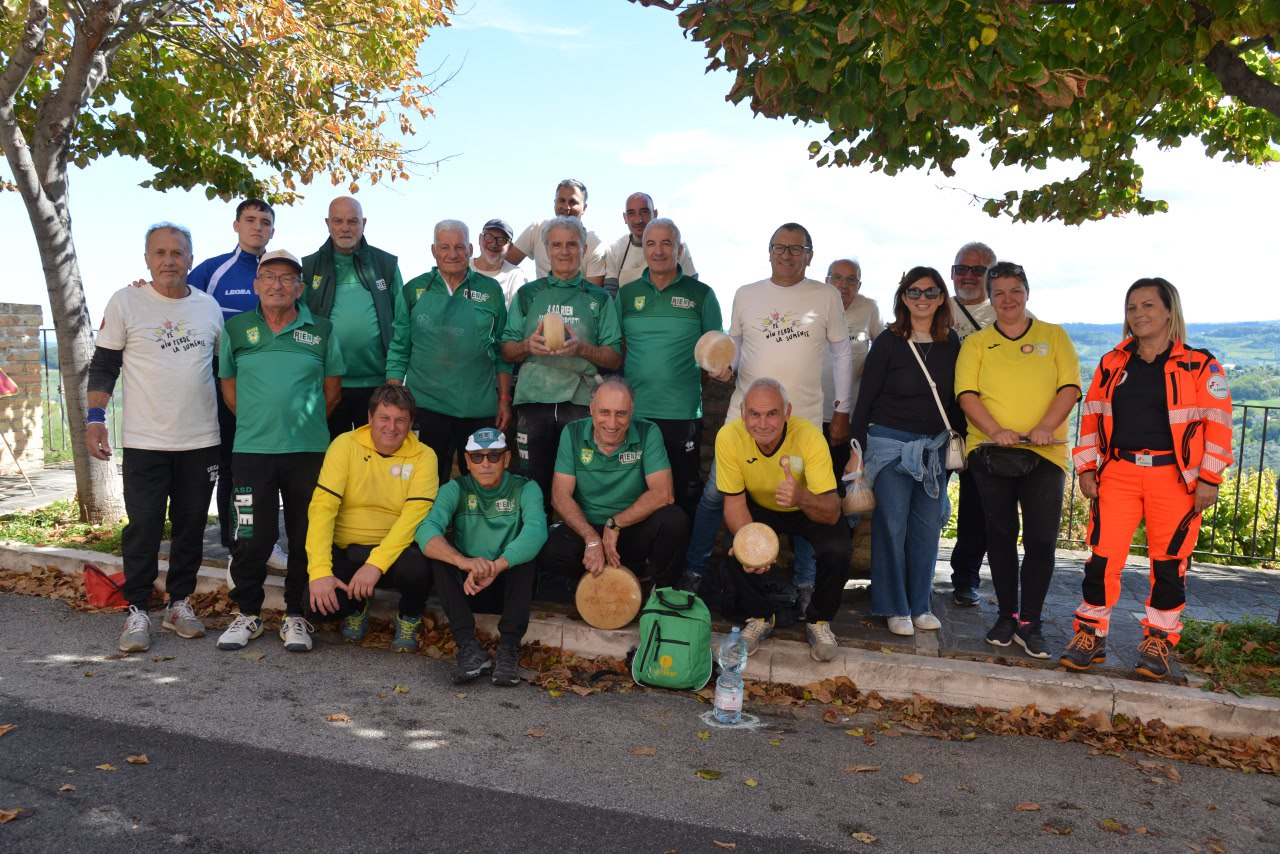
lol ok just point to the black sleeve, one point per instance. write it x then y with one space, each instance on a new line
874 371
104 369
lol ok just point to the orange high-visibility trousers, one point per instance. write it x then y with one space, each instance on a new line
1127 494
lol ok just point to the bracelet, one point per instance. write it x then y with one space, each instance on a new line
593 543
97 415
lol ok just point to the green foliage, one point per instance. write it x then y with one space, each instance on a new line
1244 519
58 524
910 83
1241 657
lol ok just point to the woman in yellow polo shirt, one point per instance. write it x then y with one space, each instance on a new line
1017 381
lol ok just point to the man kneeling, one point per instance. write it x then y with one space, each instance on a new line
375 487
498 526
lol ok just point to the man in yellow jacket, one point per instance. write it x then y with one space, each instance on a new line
375 487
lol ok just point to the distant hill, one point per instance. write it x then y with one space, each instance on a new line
1247 344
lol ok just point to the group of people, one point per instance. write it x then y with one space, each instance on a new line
345 395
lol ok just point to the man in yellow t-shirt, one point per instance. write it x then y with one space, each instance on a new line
756 469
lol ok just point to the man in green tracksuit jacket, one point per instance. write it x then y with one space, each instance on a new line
354 285
498 527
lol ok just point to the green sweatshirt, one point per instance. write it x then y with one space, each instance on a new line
505 522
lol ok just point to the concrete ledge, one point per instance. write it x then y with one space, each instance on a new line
953 681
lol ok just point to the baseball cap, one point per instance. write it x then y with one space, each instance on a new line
501 225
486 439
281 255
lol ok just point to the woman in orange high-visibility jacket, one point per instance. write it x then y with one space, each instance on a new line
1155 437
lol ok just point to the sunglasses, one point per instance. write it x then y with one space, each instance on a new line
965 269
928 293
477 457
1006 269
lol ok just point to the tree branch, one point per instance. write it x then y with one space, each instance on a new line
1240 81
28 50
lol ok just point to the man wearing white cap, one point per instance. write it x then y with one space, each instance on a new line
495 243
498 527
281 372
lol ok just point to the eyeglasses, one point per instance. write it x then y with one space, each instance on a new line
928 293
269 279
500 239
477 457
848 280
787 249
967 269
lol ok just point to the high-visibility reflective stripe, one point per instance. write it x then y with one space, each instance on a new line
1195 413
1171 620
1191 475
1211 448
1095 612
1084 457
1096 407
1214 464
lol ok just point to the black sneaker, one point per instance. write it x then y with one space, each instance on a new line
1155 659
507 672
1029 638
965 596
473 661
1001 633
689 582
1085 650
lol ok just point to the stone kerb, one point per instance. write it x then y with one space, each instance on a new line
21 415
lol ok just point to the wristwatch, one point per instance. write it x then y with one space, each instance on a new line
612 525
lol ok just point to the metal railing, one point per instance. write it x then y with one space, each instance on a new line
57 432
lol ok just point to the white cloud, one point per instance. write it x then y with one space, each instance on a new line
495 15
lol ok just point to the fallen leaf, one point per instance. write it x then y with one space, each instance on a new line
865 838
776 742
1112 826
253 656
1056 829
534 732
750 782
891 733
853 732
913 778
861 769
160 658
969 736
704 735
339 718
710 774
643 751
7 816
7 728
1028 806
66 787
137 759
556 693
90 673
106 766
831 716
463 695
400 689
729 845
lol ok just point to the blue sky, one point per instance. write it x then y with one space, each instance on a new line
613 94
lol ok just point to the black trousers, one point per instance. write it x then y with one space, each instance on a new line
1038 494
227 438
182 481
538 427
447 436
510 595
971 535
653 549
840 454
831 546
683 442
409 575
351 412
262 483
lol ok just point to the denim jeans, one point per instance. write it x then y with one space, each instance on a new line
706 524
904 529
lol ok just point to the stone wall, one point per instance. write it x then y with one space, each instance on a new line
21 416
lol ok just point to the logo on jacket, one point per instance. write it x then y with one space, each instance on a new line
586 456
1217 386
472 502
252 334
381 284
639 303
683 302
303 337
315 282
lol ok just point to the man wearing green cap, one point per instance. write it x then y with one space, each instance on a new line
498 526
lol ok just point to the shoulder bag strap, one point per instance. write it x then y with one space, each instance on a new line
977 327
933 387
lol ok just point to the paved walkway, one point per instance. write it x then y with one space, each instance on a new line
1214 593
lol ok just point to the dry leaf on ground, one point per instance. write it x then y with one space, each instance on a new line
861 769
535 732
400 689
106 766
865 838
729 845
710 774
704 734
66 787
1056 829
253 656
7 816
642 751
1028 806
913 778
7 728
1113 826
339 718
751 781
137 759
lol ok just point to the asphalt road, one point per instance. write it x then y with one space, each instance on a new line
240 757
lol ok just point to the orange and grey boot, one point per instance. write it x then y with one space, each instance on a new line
1085 649
1155 659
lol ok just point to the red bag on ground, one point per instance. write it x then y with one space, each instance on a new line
102 590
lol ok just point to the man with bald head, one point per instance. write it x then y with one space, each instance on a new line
354 285
624 260
570 200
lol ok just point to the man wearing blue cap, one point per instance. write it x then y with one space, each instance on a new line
498 527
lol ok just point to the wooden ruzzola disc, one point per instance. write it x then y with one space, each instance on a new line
755 545
609 600
553 330
714 352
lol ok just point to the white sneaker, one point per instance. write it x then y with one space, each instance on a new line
279 558
244 628
296 634
756 630
181 619
136 636
822 641
901 626
928 622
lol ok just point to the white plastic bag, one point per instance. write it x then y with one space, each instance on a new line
858 497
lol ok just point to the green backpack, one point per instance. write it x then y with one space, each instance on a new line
675 641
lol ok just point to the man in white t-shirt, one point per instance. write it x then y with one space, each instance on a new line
571 200
163 337
784 327
495 243
624 261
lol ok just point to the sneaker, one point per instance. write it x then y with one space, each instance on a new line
804 595
1085 650
356 624
506 673
472 662
279 558
136 636
901 626
1032 642
1155 658
822 641
689 582
756 630
965 596
244 628
927 622
295 631
406 637
181 619
1001 633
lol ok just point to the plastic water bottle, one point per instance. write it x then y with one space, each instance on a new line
729 690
